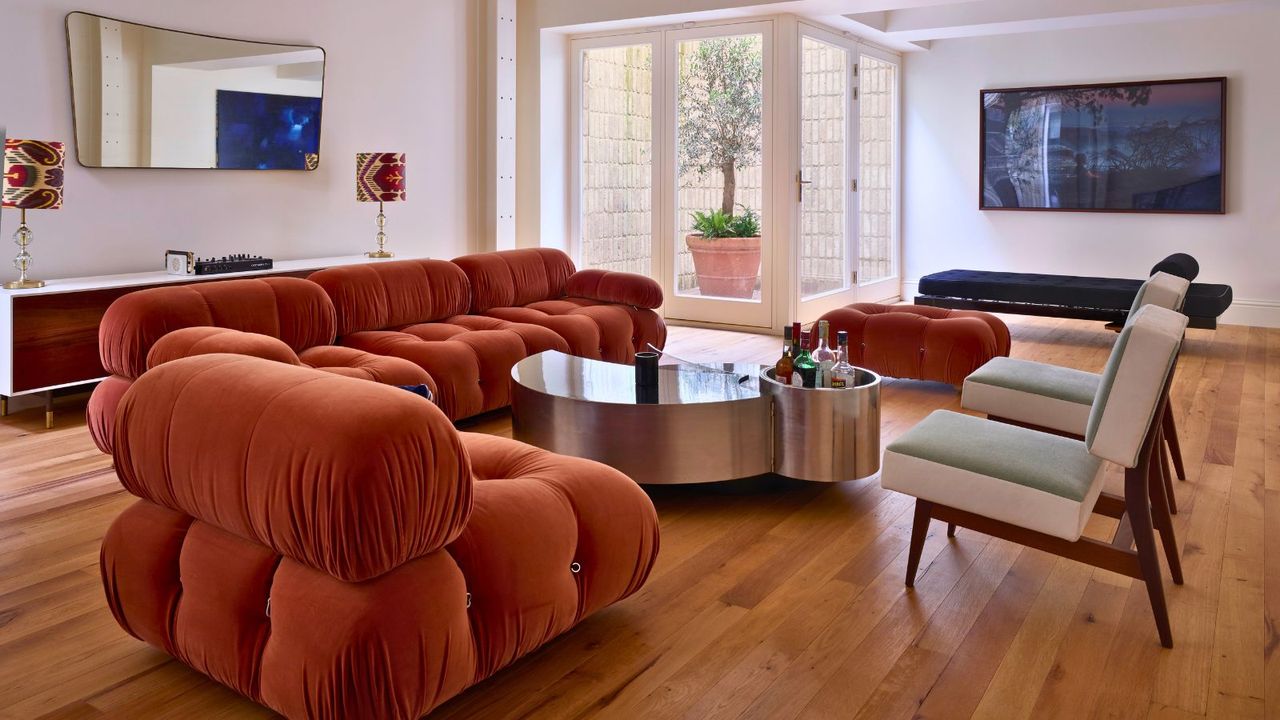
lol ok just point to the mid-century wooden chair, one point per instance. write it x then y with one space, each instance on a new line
1056 399
1039 489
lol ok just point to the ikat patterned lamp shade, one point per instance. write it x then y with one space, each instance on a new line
380 177
32 175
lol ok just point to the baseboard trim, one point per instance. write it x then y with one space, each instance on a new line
1254 313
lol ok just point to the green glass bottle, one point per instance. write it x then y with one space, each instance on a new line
804 365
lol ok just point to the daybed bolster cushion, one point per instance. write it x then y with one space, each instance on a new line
1180 264
1031 479
1033 393
345 476
615 287
291 309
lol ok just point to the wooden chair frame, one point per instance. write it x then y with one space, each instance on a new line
1142 510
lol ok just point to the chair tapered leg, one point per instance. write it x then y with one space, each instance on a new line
1138 506
1163 522
919 529
1171 439
1166 480
951 530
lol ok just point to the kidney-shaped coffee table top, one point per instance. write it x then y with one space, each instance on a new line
709 423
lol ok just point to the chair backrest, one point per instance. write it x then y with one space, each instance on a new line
1133 383
1163 290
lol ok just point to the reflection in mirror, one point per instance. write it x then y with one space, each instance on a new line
148 97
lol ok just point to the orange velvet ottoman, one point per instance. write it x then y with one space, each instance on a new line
919 342
333 548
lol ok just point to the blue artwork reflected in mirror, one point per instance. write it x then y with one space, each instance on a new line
261 131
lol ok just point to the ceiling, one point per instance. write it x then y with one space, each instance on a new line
906 25
914 24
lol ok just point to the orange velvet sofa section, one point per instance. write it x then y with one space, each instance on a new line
467 322
333 548
289 320
917 341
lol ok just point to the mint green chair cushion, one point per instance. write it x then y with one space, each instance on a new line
1034 393
1031 479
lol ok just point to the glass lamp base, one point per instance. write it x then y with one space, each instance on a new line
23 284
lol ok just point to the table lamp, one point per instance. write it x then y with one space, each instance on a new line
32 181
380 178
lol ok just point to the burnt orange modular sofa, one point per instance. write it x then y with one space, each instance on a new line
457 327
289 320
919 342
334 548
467 322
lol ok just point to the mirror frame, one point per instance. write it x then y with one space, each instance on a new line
75 129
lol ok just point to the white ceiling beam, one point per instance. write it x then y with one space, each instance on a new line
994 17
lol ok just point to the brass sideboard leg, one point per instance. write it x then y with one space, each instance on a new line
48 410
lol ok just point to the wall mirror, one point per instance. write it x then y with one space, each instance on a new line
146 97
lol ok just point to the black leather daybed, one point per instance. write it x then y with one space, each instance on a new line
1086 298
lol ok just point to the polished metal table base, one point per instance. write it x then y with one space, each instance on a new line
575 407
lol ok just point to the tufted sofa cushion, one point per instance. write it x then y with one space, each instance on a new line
467 322
289 320
601 315
373 520
918 341
373 478
292 310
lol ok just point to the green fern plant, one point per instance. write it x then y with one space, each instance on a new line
719 224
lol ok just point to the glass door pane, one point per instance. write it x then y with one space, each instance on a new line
616 151
877 165
719 165
824 127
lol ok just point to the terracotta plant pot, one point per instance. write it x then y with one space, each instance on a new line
726 267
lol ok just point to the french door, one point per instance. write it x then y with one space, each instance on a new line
846 231
658 118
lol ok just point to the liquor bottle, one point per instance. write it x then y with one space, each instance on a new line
823 356
783 369
843 375
796 380
804 365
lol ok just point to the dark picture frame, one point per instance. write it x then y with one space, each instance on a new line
1155 146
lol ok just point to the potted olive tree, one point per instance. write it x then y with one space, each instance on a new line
719 131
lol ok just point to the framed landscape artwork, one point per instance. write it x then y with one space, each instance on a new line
1124 147
262 131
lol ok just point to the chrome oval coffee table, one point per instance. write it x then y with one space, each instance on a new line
709 424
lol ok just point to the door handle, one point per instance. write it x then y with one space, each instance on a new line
800 183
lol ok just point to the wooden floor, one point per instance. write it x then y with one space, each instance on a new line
783 602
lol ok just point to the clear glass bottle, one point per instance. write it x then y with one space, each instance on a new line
824 356
804 365
783 369
843 375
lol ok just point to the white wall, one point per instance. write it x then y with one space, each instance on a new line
942 227
397 78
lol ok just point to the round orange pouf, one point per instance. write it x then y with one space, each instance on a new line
919 342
